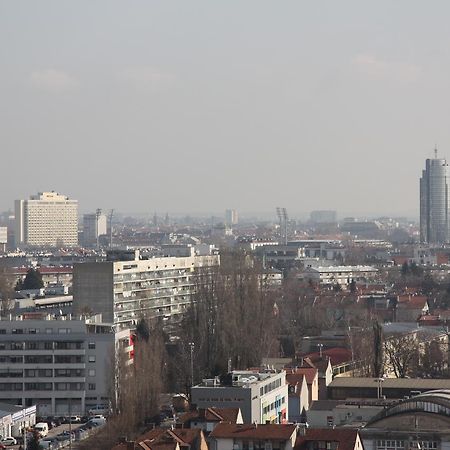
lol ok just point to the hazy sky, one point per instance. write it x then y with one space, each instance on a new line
204 105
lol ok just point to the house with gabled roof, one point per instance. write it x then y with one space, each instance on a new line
329 439
207 418
259 437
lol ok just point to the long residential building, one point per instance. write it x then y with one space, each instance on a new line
47 219
124 291
60 365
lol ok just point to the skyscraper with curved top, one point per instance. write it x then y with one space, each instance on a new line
434 202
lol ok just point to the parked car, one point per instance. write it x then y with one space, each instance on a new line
75 419
9 441
99 409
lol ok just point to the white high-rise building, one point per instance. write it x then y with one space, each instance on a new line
94 225
47 219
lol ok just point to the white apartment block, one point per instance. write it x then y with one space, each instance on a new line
342 275
94 225
124 291
262 397
47 219
63 366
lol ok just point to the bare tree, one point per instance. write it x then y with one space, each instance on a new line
6 292
401 354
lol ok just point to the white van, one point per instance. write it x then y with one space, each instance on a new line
99 409
41 428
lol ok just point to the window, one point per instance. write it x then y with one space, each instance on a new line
92 386
91 358
91 346
91 372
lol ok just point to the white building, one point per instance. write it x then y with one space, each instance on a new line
94 226
63 365
123 291
342 275
46 220
262 397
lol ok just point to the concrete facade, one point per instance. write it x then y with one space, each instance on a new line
62 366
46 220
123 291
94 226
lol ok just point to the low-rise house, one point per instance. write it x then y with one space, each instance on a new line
303 390
329 439
161 439
411 307
208 418
259 437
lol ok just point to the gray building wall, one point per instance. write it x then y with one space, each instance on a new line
62 366
93 289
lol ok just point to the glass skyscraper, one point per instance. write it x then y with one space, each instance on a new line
434 202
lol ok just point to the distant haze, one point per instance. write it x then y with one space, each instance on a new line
194 106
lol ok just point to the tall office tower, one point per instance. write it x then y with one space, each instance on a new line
94 226
434 202
47 219
231 217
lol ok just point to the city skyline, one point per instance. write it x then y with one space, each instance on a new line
307 106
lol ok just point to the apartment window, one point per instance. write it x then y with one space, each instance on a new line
92 386
91 372
2 331
92 358
91 346
48 345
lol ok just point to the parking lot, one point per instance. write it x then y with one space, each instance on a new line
55 431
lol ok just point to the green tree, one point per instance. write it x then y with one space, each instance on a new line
33 279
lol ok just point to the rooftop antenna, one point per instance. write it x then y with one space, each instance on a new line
435 151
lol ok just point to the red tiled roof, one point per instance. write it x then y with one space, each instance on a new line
309 373
337 355
294 379
412 301
212 414
345 438
161 439
253 431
